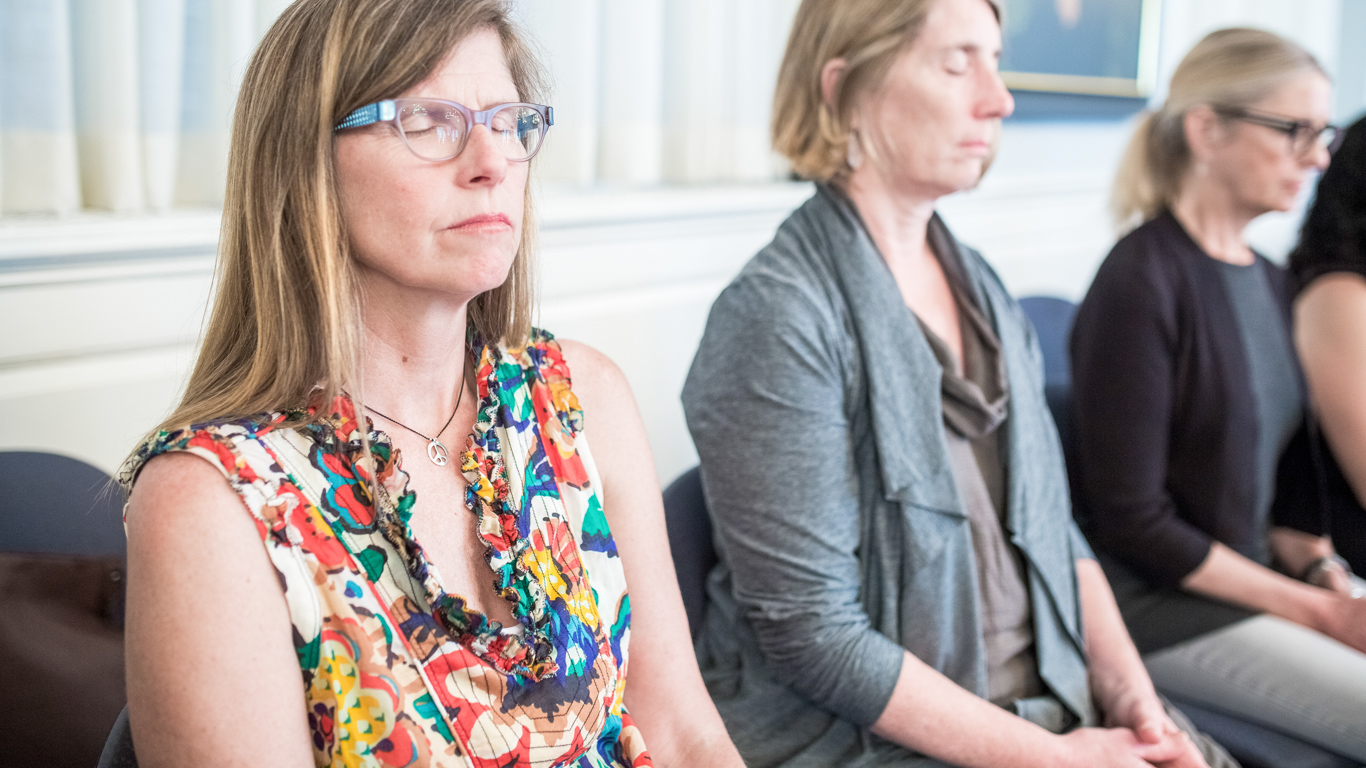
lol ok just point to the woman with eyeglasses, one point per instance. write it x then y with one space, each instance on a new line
1197 462
373 532
1329 266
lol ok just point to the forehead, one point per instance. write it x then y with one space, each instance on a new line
474 73
954 24
1307 94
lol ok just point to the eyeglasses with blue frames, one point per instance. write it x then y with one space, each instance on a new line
435 129
1301 133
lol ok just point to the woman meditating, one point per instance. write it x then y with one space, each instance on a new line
373 533
900 580
1195 458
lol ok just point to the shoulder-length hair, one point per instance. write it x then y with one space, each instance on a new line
1333 238
285 317
869 35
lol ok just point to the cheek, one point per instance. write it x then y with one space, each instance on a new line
513 192
1276 172
385 211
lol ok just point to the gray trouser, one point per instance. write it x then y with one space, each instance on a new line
1276 673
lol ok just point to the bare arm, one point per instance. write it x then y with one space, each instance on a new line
664 689
1229 576
209 649
931 714
1119 681
1330 335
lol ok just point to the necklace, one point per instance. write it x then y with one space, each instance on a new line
436 451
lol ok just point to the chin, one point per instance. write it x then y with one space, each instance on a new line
1282 205
966 176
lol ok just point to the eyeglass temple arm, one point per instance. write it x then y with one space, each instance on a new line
368 114
385 110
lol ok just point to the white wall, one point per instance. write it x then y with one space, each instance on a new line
102 311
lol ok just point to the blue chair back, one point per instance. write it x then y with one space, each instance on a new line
62 566
694 554
56 505
1052 318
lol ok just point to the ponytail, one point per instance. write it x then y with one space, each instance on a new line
1229 68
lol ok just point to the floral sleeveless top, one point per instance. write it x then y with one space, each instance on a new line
397 671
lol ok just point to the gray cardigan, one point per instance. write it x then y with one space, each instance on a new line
815 405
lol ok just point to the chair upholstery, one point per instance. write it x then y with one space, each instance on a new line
694 554
1253 745
57 505
62 566
118 748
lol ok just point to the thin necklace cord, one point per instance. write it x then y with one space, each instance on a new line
458 399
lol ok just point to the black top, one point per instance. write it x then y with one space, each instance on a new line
1167 420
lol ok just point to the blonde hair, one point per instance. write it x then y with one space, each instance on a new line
1235 67
285 317
868 35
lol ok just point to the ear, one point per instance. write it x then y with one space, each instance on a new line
831 75
1202 128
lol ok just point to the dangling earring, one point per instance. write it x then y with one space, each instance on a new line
854 155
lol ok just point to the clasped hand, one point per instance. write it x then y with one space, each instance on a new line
1138 733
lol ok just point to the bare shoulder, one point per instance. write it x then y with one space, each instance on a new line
174 486
620 445
588 364
180 498
598 382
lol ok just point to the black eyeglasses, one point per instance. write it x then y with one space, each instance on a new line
1301 133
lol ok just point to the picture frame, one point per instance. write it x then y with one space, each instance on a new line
1085 47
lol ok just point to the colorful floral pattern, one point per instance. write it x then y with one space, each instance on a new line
397 671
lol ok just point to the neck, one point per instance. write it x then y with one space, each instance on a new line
1213 217
413 363
897 221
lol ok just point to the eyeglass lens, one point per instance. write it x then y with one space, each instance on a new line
1303 136
1326 138
436 131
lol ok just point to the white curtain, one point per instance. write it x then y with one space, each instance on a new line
126 105
120 105
37 125
650 91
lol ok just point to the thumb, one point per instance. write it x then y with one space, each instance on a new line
1151 723
1149 731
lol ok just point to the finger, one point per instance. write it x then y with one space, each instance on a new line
1151 722
1339 582
1169 748
1190 758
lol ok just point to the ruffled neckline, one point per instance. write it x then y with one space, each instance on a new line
525 649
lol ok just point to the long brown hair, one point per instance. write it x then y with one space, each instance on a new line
1235 67
285 317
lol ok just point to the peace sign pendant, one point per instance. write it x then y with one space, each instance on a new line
437 453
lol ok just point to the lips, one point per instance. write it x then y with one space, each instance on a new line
484 222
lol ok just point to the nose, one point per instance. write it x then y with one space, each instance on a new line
995 100
1319 157
482 162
